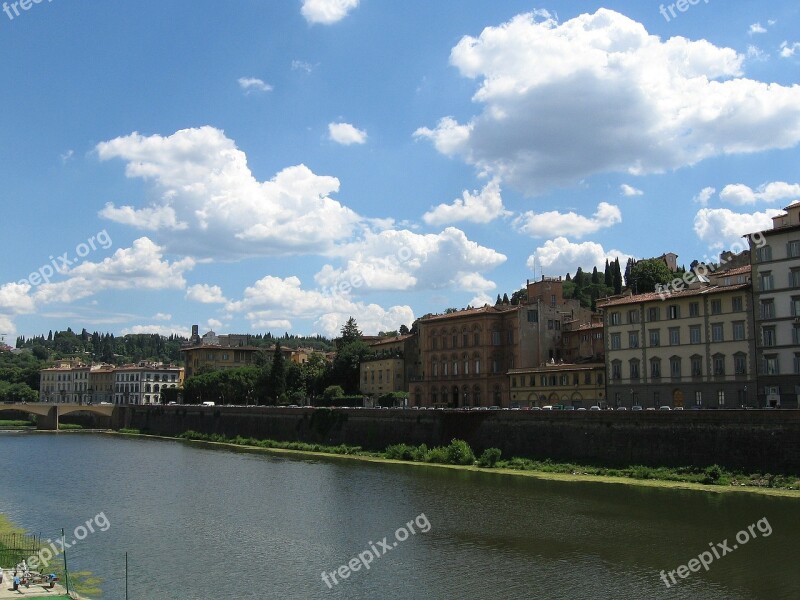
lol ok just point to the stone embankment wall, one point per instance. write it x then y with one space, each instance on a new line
767 441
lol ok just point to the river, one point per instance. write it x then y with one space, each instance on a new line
211 524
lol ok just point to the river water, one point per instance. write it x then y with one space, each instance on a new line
210 524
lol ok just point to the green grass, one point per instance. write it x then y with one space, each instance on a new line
16 423
69 426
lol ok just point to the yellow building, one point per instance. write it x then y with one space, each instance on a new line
688 347
218 357
577 385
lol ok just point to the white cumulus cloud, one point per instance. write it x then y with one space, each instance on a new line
211 205
253 84
326 12
568 224
560 256
346 134
721 227
206 294
776 191
476 207
629 190
598 93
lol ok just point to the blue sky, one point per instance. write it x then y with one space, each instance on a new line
281 165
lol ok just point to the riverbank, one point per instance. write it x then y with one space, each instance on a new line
567 472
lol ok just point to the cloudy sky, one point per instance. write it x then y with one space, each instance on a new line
278 166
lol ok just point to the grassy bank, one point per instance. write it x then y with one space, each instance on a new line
16 424
459 454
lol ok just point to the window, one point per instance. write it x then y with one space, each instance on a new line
793 249
738 330
455 340
434 343
794 278
633 316
544 380
655 337
550 325
765 281
633 339
552 299
616 369
716 307
740 363
675 367
533 316
794 306
768 336
721 398
655 368
737 304
717 332
634 367
477 366
435 369
796 334
694 309
797 363
768 309
445 368
495 366
564 380
510 337
455 367
674 311
674 336
615 341
698 398
613 318
764 253
558 325
466 366
587 378
770 365
465 340
718 361
653 314
697 366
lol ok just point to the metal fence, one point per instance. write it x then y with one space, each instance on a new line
16 547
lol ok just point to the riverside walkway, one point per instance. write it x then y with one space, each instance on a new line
34 591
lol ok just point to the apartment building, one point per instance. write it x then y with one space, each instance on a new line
577 385
465 356
142 383
101 383
57 383
693 347
197 358
775 255
391 366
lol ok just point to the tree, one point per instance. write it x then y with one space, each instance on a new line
347 365
404 330
628 267
595 276
578 280
499 300
617 277
350 333
277 375
505 299
519 297
646 274
332 392
608 275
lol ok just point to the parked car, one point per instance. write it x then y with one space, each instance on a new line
595 407
621 408
548 407
636 407
535 408
581 408
569 408
208 404
665 408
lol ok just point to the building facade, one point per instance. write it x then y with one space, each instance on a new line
775 256
142 383
391 366
694 347
577 385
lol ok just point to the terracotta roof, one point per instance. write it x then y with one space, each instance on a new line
736 271
649 297
392 340
499 309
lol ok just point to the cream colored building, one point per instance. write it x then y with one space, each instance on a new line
775 256
142 383
693 347
577 385
57 383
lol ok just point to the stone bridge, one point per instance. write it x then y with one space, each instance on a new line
48 414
